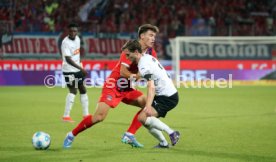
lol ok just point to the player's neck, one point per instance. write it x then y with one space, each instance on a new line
71 38
144 47
138 58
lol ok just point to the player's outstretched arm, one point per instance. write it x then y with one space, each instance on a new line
124 72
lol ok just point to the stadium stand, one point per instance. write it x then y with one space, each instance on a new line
31 32
175 18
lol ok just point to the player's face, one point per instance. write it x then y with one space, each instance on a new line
148 38
130 55
73 32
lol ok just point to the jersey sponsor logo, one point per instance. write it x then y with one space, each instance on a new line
109 97
77 51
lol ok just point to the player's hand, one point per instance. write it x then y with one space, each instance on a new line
84 72
138 76
148 111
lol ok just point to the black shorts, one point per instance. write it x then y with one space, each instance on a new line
163 104
73 78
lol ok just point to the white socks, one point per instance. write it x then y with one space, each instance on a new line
70 98
69 101
84 103
71 134
153 122
158 135
130 134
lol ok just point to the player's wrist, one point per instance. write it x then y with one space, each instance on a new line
138 76
133 77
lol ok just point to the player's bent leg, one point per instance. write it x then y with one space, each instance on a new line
139 101
87 122
142 117
153 122
128 137
83 125
135 124
159 135
101 112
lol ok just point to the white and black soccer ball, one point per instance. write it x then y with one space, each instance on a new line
41 140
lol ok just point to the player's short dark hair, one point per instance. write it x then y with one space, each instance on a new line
144 28
72 25
132 45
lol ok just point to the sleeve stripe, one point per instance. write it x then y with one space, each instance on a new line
148 77
125 64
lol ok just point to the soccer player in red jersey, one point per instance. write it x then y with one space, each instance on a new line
117 88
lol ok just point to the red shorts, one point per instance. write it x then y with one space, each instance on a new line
112 97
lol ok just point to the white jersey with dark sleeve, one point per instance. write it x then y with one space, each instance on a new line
70 48
149 66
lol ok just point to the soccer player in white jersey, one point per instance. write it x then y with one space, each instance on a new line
162 95
73 72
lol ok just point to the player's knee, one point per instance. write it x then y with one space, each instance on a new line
142 101
142 118
98 118
82 89
73 91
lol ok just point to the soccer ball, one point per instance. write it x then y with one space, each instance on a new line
41 140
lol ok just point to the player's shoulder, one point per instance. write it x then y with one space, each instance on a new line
145 60
144 64
147 57
65 40
124 60
123 56
151 51
77 37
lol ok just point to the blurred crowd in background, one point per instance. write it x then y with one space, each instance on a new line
173 17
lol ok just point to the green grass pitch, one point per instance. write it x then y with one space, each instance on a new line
216 125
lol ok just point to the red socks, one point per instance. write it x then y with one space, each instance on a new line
87 123
135 125
84 124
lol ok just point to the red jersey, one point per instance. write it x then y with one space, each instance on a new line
112 95
132 67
